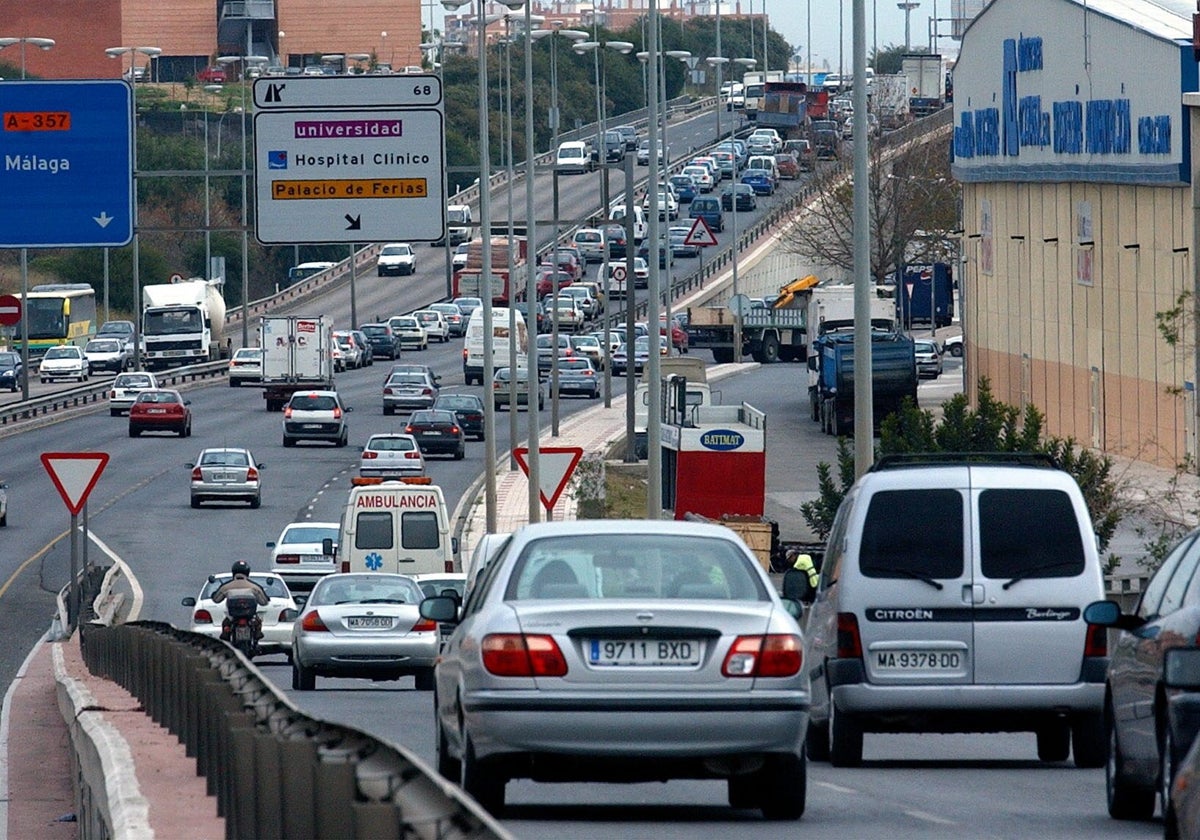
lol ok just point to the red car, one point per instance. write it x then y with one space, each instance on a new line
567 261
214 75
787 165
679 336
549 279
160 410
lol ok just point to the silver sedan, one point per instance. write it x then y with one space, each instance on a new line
363 625
624 651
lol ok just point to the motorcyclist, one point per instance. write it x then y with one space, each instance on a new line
239 584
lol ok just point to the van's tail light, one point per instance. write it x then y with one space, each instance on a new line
312 623
202 617
849 642
112 395
449 564
345 567
251 474
1096 643
424 625
287 558
464 354
197 474
775 655
520 655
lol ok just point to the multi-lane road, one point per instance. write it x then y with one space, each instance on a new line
910 786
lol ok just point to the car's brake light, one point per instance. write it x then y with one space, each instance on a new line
287 413
251 474
424 625
337 414
368 455
413 454
202 617
849 642
197 474
774 655
518 655
454 430
387 391
1096 643
283 615
112 395
312 622
408 430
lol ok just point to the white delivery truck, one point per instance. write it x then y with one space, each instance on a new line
473 344
182 323
297 355
400 526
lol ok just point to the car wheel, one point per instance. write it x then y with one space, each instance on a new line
1054 741
303 679
233 383
134 432
476 778
448 766
424 680
1126 799
288 442
344 439
388 411
195 502
187 430
256 502
114 412
956 350
1166 772
743 791
782 786
1087 740
460 454
845 738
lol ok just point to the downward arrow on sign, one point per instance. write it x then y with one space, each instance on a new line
103 219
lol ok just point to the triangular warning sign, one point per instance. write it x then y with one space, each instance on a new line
700 234
74 475
556 464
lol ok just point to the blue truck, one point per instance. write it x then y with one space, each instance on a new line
926 288
831 377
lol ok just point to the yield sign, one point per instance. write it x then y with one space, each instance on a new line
555 466
700 234
74 475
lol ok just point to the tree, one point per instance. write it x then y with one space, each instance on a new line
991 427
912 203
889 59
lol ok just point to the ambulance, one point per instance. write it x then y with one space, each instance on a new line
399 526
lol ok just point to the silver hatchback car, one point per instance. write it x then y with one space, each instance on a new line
226 474
623 651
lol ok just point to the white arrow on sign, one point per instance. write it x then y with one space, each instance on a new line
103 219
74 475
555 467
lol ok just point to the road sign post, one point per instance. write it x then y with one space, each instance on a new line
74 475
556 464
68 163
349 159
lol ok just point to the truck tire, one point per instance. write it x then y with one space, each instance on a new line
770 349
722 355
815 406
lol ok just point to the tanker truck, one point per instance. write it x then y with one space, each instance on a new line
182 323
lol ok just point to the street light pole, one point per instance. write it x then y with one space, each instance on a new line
907 7
42 44
133 52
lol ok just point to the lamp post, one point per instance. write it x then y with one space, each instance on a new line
41 44
229 61
534 462
133 53
681 56
431 48
207 216
485 224
907 7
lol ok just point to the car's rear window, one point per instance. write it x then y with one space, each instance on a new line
913 532
314 403
637 566
224 459
391 444
309 534
1029 533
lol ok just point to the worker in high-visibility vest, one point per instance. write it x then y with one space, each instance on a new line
800 581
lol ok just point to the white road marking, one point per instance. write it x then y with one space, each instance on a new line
921 815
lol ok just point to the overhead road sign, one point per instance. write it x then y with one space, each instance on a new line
66 164
74 475
349 159
556 465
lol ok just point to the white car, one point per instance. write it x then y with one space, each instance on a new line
770 136
410 332
277 616
245 366
298 554
107 354
702 175
573 156
434 323
352 354
668 205
3 505
591 244
616 276
570 316
953 345
391 456
125 389
396 258
64 362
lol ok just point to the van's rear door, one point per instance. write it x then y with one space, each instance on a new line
1036 570
916 619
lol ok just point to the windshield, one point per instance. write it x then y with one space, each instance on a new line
62 353
173 322
456 215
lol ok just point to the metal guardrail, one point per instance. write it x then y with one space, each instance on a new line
92 393
275 771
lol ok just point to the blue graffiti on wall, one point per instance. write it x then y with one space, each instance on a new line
1094 126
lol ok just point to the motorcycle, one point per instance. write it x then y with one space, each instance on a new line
241 627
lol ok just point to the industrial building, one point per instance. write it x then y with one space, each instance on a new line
1072 145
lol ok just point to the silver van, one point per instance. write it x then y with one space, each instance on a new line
951 599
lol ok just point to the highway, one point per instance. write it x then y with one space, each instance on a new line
910 786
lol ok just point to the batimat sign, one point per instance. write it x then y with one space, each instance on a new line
722 440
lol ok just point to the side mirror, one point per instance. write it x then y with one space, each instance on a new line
454 545
188 601
347 409
212 578
190 465
439 608
327 547
271 544
187 402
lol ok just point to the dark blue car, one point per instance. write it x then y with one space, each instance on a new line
10 371
760 180
685 188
